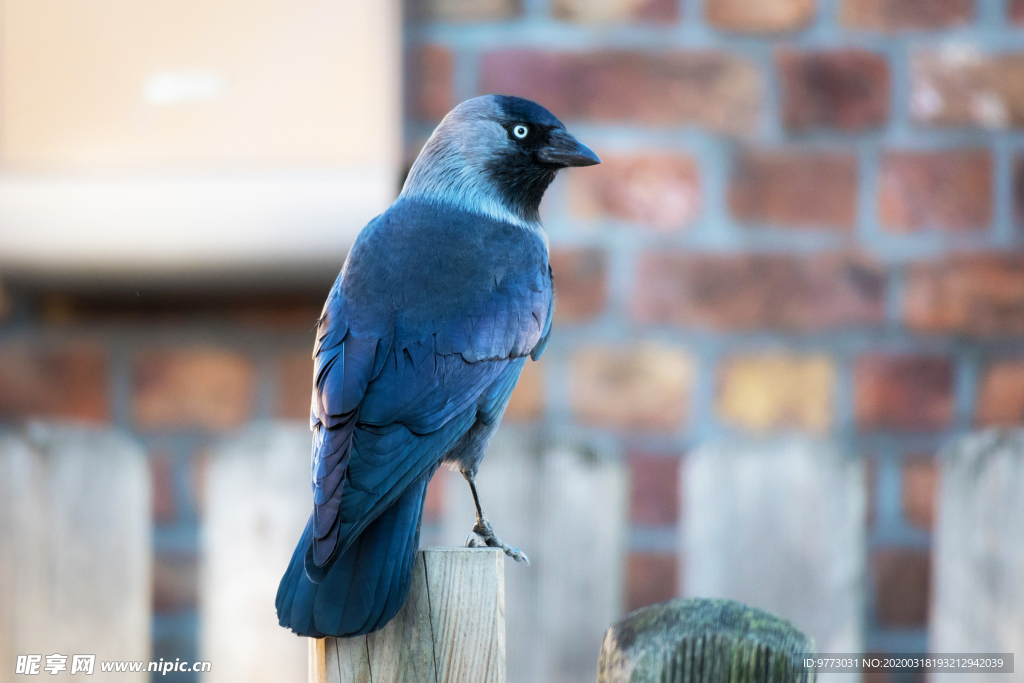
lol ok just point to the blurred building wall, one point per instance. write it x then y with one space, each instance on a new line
810 218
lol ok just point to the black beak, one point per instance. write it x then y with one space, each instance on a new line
565 150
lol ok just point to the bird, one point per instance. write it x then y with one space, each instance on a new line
440 302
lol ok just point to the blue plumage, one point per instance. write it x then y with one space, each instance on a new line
422 339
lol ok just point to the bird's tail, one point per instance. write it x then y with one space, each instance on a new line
366 586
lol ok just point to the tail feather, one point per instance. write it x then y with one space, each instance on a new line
366 586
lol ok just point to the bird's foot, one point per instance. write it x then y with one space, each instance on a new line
483 536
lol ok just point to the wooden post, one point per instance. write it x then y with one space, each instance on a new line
75 548
978 603
451 629
697 640
782 527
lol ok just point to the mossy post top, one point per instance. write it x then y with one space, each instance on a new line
699 640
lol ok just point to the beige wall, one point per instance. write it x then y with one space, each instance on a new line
194 133
122 84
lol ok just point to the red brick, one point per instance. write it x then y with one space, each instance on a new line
903 392
617 12
848 90
631 387
431 79
186 388
65 382
654 489
972 294
960 86
161 468
650 578
900 15
1001 395
294 384
709 89
527 401
175 582
462 11
752 291
902 587
795 189
920 478
581 283
949 190
434 504
759 16
659 191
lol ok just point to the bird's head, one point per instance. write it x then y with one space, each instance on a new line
495 154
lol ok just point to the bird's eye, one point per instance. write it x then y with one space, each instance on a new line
520 131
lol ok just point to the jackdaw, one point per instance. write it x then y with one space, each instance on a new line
423 336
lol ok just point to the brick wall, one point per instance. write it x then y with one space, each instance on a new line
809 219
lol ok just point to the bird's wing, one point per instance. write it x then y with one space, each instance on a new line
343 364
388 406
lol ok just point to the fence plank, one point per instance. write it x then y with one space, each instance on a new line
75 547
780 527
563 503
978 603
256 502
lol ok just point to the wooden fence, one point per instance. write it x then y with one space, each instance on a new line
779 526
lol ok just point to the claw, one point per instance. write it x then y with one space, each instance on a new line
519 556
483 536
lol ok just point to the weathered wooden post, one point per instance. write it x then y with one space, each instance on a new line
451 629
978 603
699 640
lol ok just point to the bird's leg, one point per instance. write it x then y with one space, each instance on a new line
483 533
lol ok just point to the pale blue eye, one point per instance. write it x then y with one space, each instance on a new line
520 131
